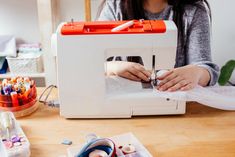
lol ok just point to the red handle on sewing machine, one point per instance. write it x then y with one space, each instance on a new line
105 27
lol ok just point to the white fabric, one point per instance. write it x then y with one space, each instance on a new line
220 97
217 96
7 46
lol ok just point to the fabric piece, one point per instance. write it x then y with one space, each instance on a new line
220 97
7 46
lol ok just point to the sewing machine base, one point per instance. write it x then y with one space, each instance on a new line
119 104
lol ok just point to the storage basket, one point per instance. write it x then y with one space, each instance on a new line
26 63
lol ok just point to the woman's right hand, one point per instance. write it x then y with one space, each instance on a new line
129 70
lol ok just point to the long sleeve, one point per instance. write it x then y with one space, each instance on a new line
198 45
111 11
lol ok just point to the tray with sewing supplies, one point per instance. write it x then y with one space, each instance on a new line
125 145
13 142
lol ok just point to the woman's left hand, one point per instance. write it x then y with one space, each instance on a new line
183 78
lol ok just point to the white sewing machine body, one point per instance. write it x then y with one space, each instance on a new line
83 87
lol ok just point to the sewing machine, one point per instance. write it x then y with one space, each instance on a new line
84 89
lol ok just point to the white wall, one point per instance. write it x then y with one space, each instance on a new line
71 9
223 30
19 18
75 9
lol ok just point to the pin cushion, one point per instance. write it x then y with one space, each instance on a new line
18 95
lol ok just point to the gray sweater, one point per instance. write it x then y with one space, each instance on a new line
196 25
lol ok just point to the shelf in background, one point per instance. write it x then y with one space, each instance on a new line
35 75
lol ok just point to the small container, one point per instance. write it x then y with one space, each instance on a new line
22 104
18 149
25 63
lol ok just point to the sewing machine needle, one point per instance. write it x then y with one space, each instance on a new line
153 75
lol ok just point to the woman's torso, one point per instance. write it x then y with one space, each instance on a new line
166 14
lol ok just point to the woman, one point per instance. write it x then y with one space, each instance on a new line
193 57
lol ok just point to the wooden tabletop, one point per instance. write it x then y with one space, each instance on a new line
201 132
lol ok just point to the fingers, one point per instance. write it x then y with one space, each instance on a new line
169 79
175 83
163 76
132 71
139 66
130 76
179 85
143 70
187 87
140 72
182 78
182 85
147 73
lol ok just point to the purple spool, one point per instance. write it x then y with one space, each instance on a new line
15 139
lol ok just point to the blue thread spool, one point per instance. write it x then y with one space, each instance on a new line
102 145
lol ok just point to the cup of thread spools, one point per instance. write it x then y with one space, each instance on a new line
18 95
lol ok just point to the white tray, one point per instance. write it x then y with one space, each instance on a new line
19 151
119 140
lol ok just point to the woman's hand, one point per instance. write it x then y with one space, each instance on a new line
183 78
129 70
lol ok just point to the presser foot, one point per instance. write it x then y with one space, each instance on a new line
150 84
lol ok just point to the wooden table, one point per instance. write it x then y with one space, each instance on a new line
202 132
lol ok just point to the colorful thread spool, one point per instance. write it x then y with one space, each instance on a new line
101 146
128 149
